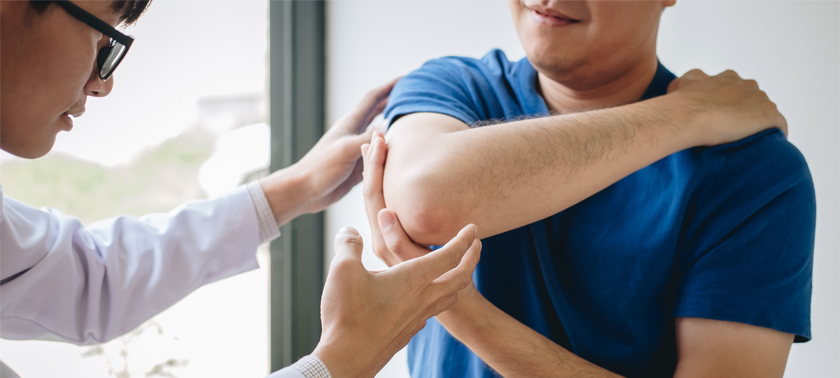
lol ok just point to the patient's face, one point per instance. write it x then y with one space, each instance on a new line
47 70
584 44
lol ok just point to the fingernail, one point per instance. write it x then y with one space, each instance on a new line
386 220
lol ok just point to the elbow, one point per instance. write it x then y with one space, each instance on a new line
424 208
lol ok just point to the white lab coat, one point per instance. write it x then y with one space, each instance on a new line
60 280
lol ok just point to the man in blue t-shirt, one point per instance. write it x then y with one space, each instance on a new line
627 230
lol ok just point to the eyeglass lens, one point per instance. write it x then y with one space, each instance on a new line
109 57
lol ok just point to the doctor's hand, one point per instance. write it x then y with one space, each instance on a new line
367 316
390 241
331 168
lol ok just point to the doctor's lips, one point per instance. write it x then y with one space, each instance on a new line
549 17
76 111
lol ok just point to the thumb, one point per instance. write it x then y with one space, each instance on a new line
348 244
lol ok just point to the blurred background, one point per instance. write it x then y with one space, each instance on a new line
186 120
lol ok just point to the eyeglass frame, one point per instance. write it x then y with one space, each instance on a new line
104 28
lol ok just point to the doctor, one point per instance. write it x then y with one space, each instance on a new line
61 280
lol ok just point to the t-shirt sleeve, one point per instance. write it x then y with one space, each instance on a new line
750 258
446 86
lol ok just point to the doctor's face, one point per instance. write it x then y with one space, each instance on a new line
584 43
47 71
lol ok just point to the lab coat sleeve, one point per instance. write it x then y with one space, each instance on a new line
287 372
60 280
307 367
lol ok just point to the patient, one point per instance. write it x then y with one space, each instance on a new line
625 231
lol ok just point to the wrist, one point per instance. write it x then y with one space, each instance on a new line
469 301
341 360
287 193
683 120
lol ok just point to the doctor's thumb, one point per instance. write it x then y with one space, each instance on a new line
348 244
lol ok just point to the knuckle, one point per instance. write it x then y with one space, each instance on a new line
452 300
464 280
452 259
731 73
372 95
396 246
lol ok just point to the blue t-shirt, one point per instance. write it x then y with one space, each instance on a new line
723 232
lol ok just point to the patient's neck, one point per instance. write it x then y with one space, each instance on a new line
625 88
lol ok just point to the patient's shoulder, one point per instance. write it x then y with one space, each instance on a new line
768 154
748 174
468 89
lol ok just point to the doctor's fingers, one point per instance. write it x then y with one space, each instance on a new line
440 305
396 239
373 157
371 105
459 278
425 269
348 246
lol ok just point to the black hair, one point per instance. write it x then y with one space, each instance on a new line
129 10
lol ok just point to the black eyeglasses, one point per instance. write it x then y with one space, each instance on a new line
110 56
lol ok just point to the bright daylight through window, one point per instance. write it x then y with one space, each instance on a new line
186 120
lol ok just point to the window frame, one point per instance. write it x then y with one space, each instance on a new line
297 121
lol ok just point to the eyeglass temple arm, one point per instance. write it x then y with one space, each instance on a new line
95 22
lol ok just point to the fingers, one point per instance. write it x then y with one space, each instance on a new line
783 125
374 170
348 244
371 105
686 79
694 74
729 74
373 156
347 185
436 263
396 239
440 305
459 278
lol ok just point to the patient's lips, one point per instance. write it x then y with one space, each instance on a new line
549 17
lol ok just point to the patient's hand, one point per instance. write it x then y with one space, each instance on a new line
730 108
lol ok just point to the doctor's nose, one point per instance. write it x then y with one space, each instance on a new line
96 87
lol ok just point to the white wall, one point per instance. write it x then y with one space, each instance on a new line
791 48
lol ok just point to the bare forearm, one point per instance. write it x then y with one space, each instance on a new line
510 347
441 174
